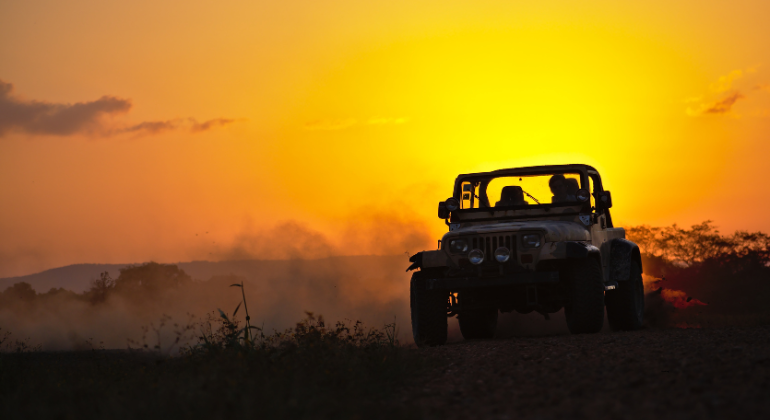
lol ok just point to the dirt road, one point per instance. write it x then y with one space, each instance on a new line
660 374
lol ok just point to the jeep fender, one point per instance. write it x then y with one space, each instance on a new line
622 253
569 250
580 250
429 259
416 261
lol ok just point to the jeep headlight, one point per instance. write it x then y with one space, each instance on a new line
458 246
530 241
476 256
502 254
452 204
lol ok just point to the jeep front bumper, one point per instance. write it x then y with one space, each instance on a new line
521 278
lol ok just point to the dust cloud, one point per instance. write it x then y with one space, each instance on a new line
371 289
372 233
286 271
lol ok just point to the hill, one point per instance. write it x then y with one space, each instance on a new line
78 277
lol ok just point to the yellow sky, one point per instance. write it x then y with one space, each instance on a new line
350 117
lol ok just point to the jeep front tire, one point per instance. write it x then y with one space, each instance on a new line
625 304
585 309
429 312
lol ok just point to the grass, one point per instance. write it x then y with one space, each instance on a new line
233 372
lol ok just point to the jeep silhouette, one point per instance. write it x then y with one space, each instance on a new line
527 239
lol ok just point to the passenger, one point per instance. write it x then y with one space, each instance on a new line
558 186
572 189
511 196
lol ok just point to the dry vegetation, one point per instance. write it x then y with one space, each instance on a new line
310 371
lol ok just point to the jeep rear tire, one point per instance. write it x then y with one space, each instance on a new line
478 324
429 312
585 309
625 304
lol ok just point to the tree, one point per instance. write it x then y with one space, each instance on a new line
151 277
22 291
101 287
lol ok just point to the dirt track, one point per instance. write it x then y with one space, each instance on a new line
670 373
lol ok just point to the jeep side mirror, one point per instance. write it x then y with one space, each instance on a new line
604 200
443 212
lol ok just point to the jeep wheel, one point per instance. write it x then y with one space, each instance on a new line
429 310
479 324
585 309
625 305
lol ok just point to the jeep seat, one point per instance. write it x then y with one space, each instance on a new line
511 195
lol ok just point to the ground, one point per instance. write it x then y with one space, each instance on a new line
653 373
673 373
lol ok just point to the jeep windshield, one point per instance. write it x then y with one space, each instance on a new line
523 191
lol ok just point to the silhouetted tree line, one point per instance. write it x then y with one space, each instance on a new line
730 272
700 243
135 281
23 292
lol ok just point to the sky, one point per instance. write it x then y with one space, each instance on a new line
189 130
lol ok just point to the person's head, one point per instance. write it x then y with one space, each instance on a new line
558 185
572 186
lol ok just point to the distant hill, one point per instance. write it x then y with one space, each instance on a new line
78 277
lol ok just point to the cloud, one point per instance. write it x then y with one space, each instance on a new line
36 117
724 106
155 127
721 96
694 99
719 107
207 125
725 83
64 119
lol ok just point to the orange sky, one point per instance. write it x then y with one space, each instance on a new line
352 118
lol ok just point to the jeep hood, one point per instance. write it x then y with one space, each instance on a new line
555 231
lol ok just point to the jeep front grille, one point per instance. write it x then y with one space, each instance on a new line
489 243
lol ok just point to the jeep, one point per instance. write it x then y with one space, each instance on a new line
527 239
